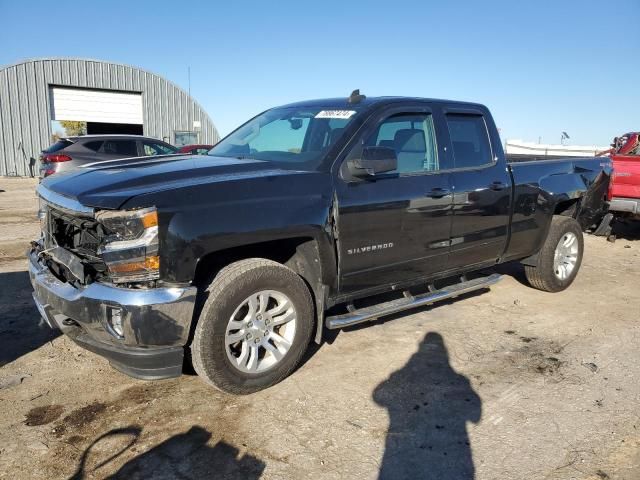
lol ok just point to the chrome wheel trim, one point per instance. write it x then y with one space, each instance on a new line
565 256
261 331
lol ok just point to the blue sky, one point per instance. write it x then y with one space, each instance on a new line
541 66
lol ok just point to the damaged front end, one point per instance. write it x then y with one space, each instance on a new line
116 246
95 276
69 245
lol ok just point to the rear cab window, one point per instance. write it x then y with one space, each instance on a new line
469 139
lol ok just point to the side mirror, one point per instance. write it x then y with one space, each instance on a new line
374 160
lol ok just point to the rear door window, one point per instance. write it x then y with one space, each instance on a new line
470 140
125 148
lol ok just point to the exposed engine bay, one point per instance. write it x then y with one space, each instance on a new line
70 247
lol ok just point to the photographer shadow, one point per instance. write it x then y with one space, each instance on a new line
429 405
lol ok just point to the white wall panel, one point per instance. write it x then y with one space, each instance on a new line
95 105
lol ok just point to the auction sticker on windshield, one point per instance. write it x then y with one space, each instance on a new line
335 114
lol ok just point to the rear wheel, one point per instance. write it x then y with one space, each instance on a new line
254 328
560 258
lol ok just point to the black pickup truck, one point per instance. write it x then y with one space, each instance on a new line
319 214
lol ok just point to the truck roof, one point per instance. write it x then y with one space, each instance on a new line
343 102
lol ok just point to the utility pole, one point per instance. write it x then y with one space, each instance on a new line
189 116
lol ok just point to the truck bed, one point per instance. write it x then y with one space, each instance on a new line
540 185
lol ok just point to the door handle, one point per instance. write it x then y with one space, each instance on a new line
438 192
497 186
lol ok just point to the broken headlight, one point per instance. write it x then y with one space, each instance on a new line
130 249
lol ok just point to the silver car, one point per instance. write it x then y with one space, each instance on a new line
70 153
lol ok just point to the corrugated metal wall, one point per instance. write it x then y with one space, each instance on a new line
25 111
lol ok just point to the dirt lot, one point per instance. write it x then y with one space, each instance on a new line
510 384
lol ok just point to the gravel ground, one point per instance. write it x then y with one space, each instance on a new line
511 383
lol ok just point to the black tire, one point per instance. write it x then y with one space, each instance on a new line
230 287
543 276
604 227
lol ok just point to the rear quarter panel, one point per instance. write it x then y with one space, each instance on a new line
540 186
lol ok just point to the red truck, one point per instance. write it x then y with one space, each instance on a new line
624 189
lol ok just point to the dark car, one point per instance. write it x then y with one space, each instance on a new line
295 223
195 149
69 153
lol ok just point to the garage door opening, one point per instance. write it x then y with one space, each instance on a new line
99 111
101 128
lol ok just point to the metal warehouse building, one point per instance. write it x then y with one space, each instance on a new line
107 97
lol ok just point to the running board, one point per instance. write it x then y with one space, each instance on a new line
409 301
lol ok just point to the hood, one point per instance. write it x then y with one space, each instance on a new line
111 185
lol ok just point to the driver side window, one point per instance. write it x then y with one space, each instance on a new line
412 137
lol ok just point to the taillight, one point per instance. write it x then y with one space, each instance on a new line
611 180
54 158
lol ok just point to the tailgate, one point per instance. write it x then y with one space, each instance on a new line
626 176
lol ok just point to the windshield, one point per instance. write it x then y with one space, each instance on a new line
293 137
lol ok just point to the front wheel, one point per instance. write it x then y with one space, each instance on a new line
560 258
254 327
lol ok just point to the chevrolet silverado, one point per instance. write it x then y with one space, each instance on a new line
315 215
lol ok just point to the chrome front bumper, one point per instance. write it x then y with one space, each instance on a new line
156 322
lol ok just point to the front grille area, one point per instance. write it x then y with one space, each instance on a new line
80 236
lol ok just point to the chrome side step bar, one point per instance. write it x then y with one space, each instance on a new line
408 301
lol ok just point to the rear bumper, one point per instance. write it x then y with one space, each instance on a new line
629 205
155 322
